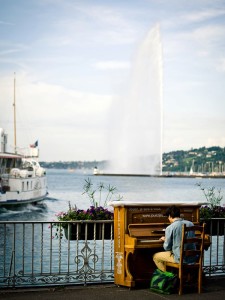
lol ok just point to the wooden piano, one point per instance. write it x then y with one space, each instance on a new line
137 229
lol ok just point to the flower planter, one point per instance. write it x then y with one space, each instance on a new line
212 226
80 232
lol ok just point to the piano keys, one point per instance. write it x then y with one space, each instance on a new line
138 227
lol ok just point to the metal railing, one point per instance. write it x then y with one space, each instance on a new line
56 253
78 252
214 257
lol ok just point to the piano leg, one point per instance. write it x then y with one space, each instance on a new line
128 276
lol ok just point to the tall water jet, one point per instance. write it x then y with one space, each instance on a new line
136 127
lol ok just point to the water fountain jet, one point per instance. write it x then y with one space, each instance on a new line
136 127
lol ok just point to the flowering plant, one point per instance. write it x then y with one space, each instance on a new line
213 209
207 212
95 212
92 213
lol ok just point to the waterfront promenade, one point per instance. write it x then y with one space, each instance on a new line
213 289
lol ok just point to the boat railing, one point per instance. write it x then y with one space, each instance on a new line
43 253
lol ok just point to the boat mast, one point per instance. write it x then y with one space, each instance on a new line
14 110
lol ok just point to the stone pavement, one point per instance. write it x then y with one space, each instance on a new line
213 289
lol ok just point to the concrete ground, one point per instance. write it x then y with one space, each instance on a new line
213 289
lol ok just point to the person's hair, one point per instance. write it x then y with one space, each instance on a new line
173 211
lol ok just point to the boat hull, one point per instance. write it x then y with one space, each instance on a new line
13 199
20 185
24 190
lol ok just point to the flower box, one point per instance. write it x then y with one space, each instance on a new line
214 226
89 231
91 223
213 214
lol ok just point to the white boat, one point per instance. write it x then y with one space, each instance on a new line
22 179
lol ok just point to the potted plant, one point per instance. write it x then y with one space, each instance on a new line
96 212
212 210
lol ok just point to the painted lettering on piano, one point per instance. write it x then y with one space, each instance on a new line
119 258
118 232
153 216
142 209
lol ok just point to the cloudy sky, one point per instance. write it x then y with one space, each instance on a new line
72 57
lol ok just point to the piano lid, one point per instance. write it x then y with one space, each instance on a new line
123 203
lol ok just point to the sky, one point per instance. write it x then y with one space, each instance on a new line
70 60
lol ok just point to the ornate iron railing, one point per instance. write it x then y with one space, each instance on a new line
78 252
214 257
38 253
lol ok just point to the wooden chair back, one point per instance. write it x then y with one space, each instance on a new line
191 254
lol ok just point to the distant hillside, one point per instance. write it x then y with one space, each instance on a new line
203 160
73 165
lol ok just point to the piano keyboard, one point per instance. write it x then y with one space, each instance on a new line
150 241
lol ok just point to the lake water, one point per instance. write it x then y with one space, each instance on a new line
65 186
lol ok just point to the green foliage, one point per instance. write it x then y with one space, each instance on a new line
99 190
200 160
94 212
207 212
214 208
212 195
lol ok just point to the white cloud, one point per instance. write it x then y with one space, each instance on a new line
203 15
221 65
92 24
43 108
111 65
202 53
7 48
179 133
209 33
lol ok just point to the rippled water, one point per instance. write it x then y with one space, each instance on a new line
65 186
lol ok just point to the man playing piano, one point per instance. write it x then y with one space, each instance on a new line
172 239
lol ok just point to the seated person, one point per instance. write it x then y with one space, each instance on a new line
172 239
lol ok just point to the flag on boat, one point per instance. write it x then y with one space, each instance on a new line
34 145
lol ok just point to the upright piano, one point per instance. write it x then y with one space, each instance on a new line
138 227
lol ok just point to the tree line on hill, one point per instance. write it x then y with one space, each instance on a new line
204 160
